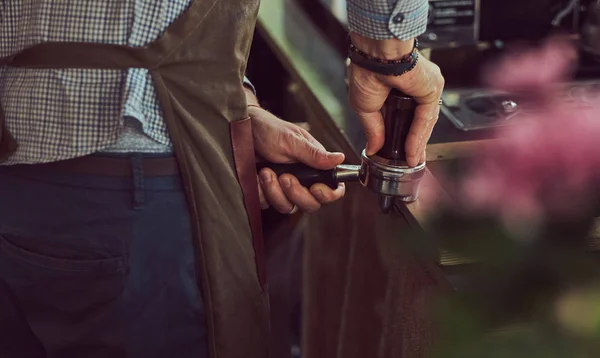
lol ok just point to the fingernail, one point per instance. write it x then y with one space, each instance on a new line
265 178
286 182
334 155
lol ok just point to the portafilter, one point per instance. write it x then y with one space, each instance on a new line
386 173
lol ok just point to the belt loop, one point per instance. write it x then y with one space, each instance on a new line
137 169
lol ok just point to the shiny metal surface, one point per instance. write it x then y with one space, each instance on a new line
471 109
391 178
347 173
452 24
385 203
509 106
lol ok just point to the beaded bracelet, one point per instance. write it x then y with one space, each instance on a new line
381 66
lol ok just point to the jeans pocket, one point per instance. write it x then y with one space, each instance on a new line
112 265
60 284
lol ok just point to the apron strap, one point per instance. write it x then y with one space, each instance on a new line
79 55
107 56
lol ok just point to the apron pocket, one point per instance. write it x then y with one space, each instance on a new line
245 165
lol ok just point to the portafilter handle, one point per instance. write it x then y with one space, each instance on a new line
308 176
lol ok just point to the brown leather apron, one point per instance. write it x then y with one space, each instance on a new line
198 67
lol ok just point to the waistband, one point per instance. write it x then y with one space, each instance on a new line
113 165
103 171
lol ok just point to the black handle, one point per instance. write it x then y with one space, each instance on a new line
306 175
398 114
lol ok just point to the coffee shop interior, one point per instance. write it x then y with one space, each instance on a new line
420 277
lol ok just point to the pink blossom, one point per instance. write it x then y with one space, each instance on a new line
533 69
549 162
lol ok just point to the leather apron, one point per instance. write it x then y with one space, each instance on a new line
197 67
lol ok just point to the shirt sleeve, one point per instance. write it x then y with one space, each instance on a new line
385 19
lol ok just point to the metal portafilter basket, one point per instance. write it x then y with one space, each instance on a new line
385 173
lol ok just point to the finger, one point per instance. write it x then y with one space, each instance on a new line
264 204
326 195
273 192
302 150
428 132
374 129
298 194
423 157
420 131
367 94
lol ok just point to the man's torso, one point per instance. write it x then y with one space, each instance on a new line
66 113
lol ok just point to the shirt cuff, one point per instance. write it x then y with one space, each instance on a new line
383 19
249 85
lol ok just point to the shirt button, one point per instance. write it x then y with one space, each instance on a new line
398 18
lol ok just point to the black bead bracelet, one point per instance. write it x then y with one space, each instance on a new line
381 66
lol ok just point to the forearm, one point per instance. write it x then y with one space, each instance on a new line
400 20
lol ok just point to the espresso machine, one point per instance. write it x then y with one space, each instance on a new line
463 36
590 31
386 173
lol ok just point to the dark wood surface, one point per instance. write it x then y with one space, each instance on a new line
284 239
367 290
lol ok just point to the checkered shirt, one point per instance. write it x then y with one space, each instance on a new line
67 113
385 19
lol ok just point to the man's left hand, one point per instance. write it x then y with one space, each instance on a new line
278 141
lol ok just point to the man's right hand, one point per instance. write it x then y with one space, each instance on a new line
369 90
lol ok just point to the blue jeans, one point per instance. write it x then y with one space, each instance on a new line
97 266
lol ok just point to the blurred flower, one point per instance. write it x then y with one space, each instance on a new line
549 162
533 70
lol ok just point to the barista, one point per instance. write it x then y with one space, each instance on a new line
130 211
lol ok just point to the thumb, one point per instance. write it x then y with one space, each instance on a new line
374 131
264 204
317 157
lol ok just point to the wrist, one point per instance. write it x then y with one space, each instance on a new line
254 110
390 49
251 99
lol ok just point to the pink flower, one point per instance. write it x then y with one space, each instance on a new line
533 69
549 162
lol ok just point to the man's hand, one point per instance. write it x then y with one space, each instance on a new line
278 141
368 92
